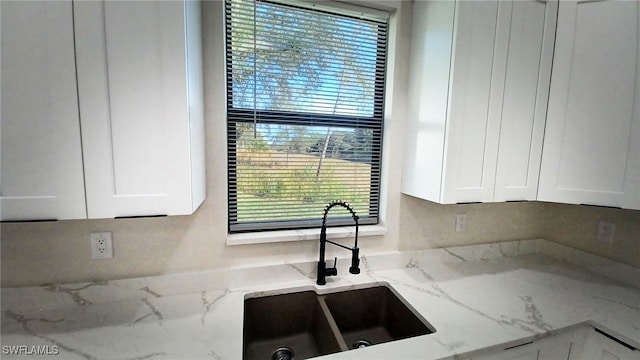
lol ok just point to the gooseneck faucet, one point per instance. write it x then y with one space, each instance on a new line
323 271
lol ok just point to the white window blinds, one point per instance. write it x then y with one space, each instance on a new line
305 95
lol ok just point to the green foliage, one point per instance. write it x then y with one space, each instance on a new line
257 144
275 185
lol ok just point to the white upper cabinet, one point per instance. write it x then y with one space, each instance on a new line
41 160
140 85
479 77
592 140
114 121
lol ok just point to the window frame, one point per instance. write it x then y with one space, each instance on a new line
375 123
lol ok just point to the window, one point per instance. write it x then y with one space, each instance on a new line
305 95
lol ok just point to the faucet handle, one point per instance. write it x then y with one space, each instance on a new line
333 271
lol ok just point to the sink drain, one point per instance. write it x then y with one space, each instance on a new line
360 344
283 353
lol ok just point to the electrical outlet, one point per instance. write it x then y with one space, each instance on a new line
461 222
606 231
101 245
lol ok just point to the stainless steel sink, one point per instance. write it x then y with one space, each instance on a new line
306 324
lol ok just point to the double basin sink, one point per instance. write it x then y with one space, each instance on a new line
305 324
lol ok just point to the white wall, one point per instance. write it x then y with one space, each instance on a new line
38 253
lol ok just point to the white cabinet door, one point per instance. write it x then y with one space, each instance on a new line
41 159
575 343
522 107
477 98
452 45
554 348
425 123
140 86
592 141
597 346
471 135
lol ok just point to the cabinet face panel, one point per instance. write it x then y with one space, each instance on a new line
42 176
528 354
430 64
523 107
599 347
592 99
133 98
469 128
136 75
554 348
579 342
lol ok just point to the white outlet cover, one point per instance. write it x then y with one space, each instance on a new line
606 231
101 245
461 222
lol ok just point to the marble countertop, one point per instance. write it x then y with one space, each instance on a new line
475 297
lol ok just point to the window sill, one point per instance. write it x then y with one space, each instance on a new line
304 234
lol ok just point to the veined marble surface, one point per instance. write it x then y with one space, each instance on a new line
475 296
